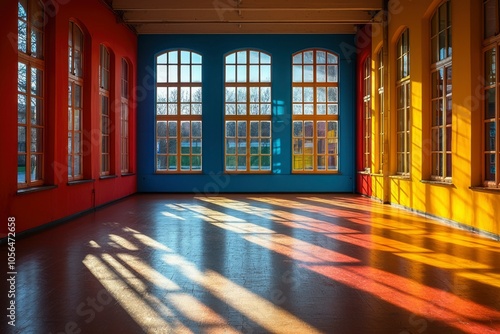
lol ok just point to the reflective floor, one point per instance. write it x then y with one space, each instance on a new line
261 263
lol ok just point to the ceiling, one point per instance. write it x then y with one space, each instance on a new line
245 16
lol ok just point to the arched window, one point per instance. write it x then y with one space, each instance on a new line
75 102
178 112
441 83
247 112
403 97
31 95
315 111
104 90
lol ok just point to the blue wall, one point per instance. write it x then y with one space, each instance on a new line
213 180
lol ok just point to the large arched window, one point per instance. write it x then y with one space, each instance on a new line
247 112
178 112
315 112
75 102
403 104
30 96
441 83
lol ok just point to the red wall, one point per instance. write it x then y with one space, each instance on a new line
364 48
100 25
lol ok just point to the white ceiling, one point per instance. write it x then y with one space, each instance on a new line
245 16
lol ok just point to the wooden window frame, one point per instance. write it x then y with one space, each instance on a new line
33 121
124 118
367 115
441 117
105 110
75 107
250 153
172 110
381 109
403 105
491 144
330 153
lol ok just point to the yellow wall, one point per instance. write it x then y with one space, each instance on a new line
457 202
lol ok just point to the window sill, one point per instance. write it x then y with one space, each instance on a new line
76 182
438 183
400 177
127 174
35 189
364 172
377 174
107 177
486 189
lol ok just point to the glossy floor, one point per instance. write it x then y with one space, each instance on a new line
258 263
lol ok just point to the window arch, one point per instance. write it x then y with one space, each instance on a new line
179 112
403 97
247 111
441 82
315 111
31 95
75 102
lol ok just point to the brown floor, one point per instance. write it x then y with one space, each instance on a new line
262 263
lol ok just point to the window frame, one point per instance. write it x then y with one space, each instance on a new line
403 105
490 43
105 110
331 136
32 62
124 117
381 108
243 65
194 103
367 115
75 78
441 162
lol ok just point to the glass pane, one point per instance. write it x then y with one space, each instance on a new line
297 109
161 146
490 167
161 59
172 146
265 146
172 73
36 111
254 73
21 108
265 59
196 73
254 57
309 126
36 167
196 129
231 129
242 57
185 128
321 73
308 73
230 73
22 84
185 57
242 94
332 59
21 168
185 73
308 57
242 73
297 73
265 94
490 103
242 163
36 82
333 94
161 162
172 109
265 129
265 73
231 59
172 129
254 146
21 139
161 73
185 146
490 137
308 94
161 129
254 129
297 128
490 67
242 129
332 73
242 146
297 59
230 146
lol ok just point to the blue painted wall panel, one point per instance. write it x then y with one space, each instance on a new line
213 180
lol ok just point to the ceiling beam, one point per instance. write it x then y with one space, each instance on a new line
222 5
244 28
166 16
